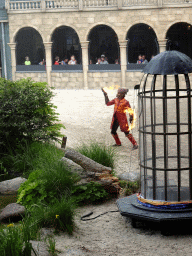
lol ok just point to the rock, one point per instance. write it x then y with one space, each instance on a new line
11 186
85 162
72 165
40 248
44 232
12 212
75 168
129 176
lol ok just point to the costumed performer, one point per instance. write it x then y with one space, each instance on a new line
119 116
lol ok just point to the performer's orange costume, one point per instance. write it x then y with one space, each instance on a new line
120 113
120 118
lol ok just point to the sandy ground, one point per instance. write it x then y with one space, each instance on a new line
86 119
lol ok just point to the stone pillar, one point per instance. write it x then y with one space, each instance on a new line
48 57
119 4
123 60
85 62
13 59
162 45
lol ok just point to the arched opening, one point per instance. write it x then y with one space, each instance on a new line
29 43
103 40
66 43
142 40
179 38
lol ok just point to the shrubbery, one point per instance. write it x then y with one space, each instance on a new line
90 193
26 112
45 186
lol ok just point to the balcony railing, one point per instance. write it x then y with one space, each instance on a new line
75 5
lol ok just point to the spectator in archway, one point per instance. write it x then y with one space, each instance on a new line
103 60
144 60
56 60
140 60
98 61
27 61
64 62
116 61
42 62
72 60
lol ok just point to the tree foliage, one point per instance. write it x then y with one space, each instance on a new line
26 112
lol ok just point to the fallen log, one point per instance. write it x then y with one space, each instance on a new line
85 162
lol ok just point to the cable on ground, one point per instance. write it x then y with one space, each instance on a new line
89 214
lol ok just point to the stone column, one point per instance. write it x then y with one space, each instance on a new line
85 62
123 60
162 45
48 57
13 59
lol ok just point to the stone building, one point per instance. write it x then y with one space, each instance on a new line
119 29
5 53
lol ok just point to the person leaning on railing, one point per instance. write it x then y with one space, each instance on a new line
27 61
72 61
56 60
103 60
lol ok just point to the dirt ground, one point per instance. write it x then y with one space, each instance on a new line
86 119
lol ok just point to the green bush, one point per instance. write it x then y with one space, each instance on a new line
26 112
44 186
100 153
90 193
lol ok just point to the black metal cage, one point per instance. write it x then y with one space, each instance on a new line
165 131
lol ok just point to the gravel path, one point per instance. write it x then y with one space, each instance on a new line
86 118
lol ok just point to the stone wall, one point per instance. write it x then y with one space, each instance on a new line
97 80
160 19
36 76
103 79
69 80
133 78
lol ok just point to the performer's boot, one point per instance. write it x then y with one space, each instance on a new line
117 140
133 141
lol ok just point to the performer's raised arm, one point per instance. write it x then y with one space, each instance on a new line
105 95
107 102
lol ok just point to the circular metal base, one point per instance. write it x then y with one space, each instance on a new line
129 207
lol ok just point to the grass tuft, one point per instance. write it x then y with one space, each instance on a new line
100 153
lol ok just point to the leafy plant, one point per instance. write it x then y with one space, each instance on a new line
44 186
51 243
59 215
26 112
92 192
3 172
132 187
15 240
100 153
123 183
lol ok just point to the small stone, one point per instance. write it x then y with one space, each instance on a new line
40 248
12 212
129 176
10 187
